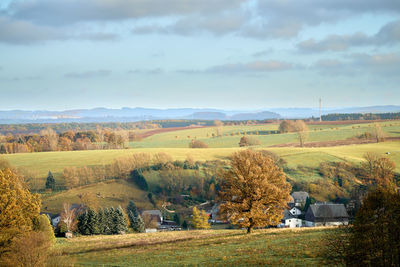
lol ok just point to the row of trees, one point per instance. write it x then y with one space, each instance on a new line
49 140
105 221
360 116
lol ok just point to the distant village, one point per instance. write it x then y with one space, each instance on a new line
299 213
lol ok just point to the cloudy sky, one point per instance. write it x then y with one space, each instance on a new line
232 54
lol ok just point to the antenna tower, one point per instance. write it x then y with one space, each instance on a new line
320 109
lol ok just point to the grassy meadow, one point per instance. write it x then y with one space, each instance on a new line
108 193
273 247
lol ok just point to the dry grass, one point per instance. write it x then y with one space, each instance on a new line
276 247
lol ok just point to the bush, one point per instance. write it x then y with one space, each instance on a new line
28 249
249 141
197 144
42 224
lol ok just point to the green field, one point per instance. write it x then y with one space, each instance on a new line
107 194
36 165
181 139
57 161
274 247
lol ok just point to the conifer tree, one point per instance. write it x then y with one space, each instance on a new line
138 178
119 221
102 221
177 218
50 181
110 220
83 224
140 227
132 214
93 222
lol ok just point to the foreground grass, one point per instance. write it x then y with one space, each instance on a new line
277 247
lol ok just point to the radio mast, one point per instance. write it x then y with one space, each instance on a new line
320 109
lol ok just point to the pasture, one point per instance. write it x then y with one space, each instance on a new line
111 193
273 247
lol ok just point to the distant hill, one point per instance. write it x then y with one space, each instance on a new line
142 114
127 115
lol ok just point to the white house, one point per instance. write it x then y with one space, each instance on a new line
290 221
55 220
295 211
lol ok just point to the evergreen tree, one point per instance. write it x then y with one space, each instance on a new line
177 218
102 221
132 207
83 224
110 221
93 222
107 221
120 223
50 181
185 224
138 178
140 228
307 204
132 214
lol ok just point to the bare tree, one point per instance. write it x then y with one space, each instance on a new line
378 133
302 131
68 216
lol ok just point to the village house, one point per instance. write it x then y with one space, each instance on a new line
289 220
299 198
295 211
326 214
154 215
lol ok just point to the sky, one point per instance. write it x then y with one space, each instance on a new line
227 54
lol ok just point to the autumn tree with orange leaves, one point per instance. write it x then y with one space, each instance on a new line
254 191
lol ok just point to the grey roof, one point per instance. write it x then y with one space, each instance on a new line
288 215
152 212
300 195
328 210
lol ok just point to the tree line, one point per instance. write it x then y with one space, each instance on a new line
50 140
361 116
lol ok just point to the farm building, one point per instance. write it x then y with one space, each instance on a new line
155 215
326 214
